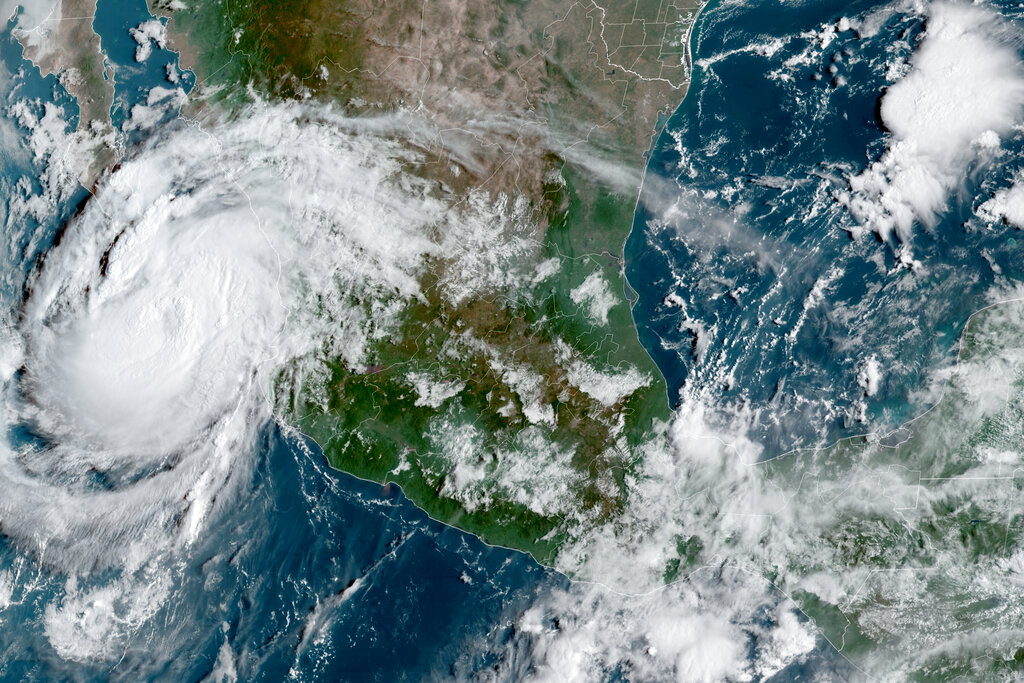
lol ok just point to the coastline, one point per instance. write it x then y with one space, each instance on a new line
632 297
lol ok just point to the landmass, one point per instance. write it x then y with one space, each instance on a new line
513 398
910 540
65 44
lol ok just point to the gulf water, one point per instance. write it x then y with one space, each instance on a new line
738 218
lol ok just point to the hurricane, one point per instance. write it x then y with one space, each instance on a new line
142 362
219 306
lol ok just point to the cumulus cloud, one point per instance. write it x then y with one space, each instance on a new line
608 386
594 296
146 34
58 154
965 88
1006 205
869 376
685 633
160 103
485 246
98 622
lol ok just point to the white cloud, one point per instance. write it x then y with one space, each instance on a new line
214 257
59 154
485 243
146 34
964 89
595 297
798 518
531 470
431 392
546 269
869 377
685 633
159 103
529 387
98 623
203 245
217 245
1006 205
789 641
607 387
701 648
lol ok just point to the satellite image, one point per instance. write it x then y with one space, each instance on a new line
512 340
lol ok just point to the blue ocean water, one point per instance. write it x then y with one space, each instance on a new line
308 573
316 575
275 581
778 306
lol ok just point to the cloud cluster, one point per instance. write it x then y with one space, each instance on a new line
964 90
836 525
143 353
1006 205
728 629
202 266
146 34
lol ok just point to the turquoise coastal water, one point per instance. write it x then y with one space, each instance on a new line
133 80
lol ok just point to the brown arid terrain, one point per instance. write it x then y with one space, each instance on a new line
66 45
547 106
518 79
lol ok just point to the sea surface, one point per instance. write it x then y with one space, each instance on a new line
133 80
754 298
309 574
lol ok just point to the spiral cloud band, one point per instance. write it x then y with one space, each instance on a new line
142 355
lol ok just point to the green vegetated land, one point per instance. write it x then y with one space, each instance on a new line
929 518
374 428
371 421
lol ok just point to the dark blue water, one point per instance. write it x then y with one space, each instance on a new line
743 224
273 580
306 572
